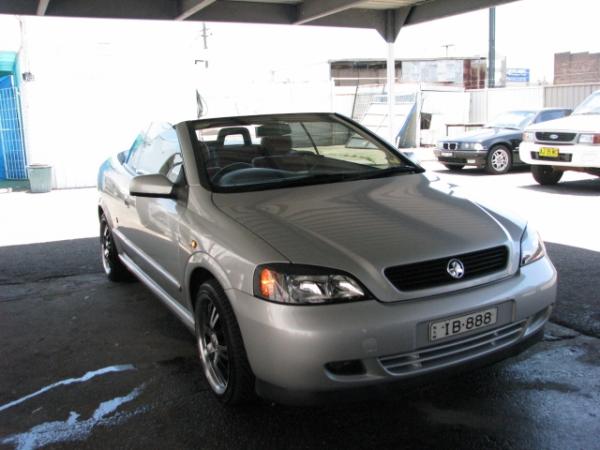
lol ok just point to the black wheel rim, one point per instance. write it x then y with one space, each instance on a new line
107 246
212 347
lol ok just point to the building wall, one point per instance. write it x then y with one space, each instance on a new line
361 73
469 73
576 68
96 85
568 96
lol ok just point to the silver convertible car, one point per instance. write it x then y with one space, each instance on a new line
311 259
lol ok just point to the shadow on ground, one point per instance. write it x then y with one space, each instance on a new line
474 171
584 188
32 262
578 304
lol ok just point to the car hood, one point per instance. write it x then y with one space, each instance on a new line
363 227
484 134
574 123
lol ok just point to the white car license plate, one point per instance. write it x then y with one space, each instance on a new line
462 324
446 153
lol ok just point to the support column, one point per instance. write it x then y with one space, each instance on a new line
393 20
492 50
391 81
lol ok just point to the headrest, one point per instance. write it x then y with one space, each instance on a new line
273 129
232 131
276 145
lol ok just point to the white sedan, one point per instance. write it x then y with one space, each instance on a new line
571 143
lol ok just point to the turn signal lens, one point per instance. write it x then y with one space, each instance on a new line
589 139
267 283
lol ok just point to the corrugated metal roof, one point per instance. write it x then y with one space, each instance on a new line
386 16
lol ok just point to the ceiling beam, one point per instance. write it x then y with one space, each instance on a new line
42 7
353 18
333 13
113 9
247 12
310 10
191 8
438 9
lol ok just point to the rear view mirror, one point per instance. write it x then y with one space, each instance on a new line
157 186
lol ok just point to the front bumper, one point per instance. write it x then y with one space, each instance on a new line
476 158
576 156
288 347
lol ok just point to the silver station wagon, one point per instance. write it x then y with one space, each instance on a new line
313 260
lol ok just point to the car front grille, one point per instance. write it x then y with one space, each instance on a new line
442 355
548 136
433 273
450 146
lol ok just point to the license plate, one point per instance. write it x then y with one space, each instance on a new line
446 153
549 152
462 324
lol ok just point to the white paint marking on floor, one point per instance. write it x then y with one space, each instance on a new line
73 429
88 376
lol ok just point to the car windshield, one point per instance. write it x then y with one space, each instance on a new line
516 120
590 105
266 152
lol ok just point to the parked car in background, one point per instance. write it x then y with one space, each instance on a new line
571 143
311 258
494 147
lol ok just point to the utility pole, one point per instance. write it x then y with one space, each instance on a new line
205 34
492 50
447 46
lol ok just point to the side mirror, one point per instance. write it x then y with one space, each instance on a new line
157 186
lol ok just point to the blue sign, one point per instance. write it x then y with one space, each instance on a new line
517 75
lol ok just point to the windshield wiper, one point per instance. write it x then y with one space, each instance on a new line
323 178
389 172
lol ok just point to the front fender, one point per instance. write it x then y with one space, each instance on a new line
202 260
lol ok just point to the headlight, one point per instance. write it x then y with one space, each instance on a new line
478 146
589 139
529 136
300 285
532 247
466 146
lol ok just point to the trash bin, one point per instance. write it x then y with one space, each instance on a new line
40 177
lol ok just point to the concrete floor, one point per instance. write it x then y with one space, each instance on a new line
86 363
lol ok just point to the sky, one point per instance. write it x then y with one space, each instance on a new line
529 32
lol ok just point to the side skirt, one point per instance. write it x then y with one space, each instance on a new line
183 314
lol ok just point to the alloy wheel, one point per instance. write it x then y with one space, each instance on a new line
500 160
213 347
107 247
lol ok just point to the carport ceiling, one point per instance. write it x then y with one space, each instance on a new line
386 16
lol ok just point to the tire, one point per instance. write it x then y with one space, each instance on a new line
546 175
454 167
499 160
114 269
221 348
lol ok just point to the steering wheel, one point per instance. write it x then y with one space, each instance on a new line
230 168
